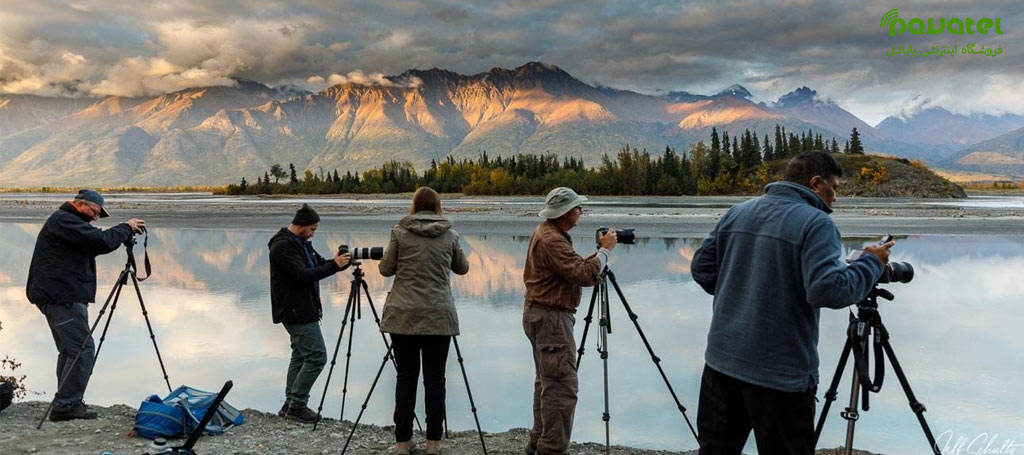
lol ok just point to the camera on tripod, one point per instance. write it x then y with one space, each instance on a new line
131 240
624 236
895 272
373 253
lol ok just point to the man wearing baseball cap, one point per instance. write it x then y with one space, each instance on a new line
553 274
62 282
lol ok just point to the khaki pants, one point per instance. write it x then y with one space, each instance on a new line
556 383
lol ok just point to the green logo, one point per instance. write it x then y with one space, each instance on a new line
936 26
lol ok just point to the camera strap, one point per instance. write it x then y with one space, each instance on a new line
862 332
145 258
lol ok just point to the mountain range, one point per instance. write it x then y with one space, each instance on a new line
215 135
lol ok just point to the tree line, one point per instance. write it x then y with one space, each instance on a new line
731 164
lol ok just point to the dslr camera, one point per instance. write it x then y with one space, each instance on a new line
363 253
625 236
895 272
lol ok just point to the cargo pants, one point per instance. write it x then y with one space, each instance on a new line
556 384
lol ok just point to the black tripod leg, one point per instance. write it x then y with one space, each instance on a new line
348 354
915 405
586 327
657 361
334 360
116 290
106 325
832 393
472 405
387 345
145 315
602 348
367 401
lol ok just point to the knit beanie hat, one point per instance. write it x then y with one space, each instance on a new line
306 216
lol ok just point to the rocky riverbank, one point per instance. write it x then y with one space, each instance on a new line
262 433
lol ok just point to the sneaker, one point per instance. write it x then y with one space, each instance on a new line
79 412
302 414
283 411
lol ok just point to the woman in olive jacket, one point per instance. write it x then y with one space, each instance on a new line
419 312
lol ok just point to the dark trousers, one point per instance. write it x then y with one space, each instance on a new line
434 351
783 422
69 325
309 355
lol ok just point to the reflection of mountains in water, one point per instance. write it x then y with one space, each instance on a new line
234 262
231 261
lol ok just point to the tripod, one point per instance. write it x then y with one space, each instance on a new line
601 295
353 311
388 355
129 271
857 336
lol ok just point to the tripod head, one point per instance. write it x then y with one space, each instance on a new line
129 246
871 301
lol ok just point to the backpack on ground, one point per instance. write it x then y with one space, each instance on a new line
179 413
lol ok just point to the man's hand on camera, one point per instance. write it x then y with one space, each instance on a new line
342 259
608 240
882 251
137 225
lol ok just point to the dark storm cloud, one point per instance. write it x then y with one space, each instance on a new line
838 48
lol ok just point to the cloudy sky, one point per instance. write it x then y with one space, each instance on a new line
118 47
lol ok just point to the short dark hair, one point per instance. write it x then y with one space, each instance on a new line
803 167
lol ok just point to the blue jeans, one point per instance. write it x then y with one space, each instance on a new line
69 324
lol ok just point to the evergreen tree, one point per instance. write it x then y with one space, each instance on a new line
294 179
715 145
769 154
794 145
780 145
855 145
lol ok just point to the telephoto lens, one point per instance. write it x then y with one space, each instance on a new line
624 236
371 253
897 272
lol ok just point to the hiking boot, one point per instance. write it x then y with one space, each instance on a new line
405 448
79 412
283 411
432 447
531 448
302 414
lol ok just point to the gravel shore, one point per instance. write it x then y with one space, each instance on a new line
262 433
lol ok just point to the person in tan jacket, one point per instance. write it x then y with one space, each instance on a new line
553 275
419 312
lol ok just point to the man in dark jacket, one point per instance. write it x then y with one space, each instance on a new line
772 263
295 272
62 282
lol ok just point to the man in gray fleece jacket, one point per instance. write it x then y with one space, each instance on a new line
772 263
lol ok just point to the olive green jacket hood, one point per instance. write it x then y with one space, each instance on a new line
421 254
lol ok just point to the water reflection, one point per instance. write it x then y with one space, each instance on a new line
954 329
